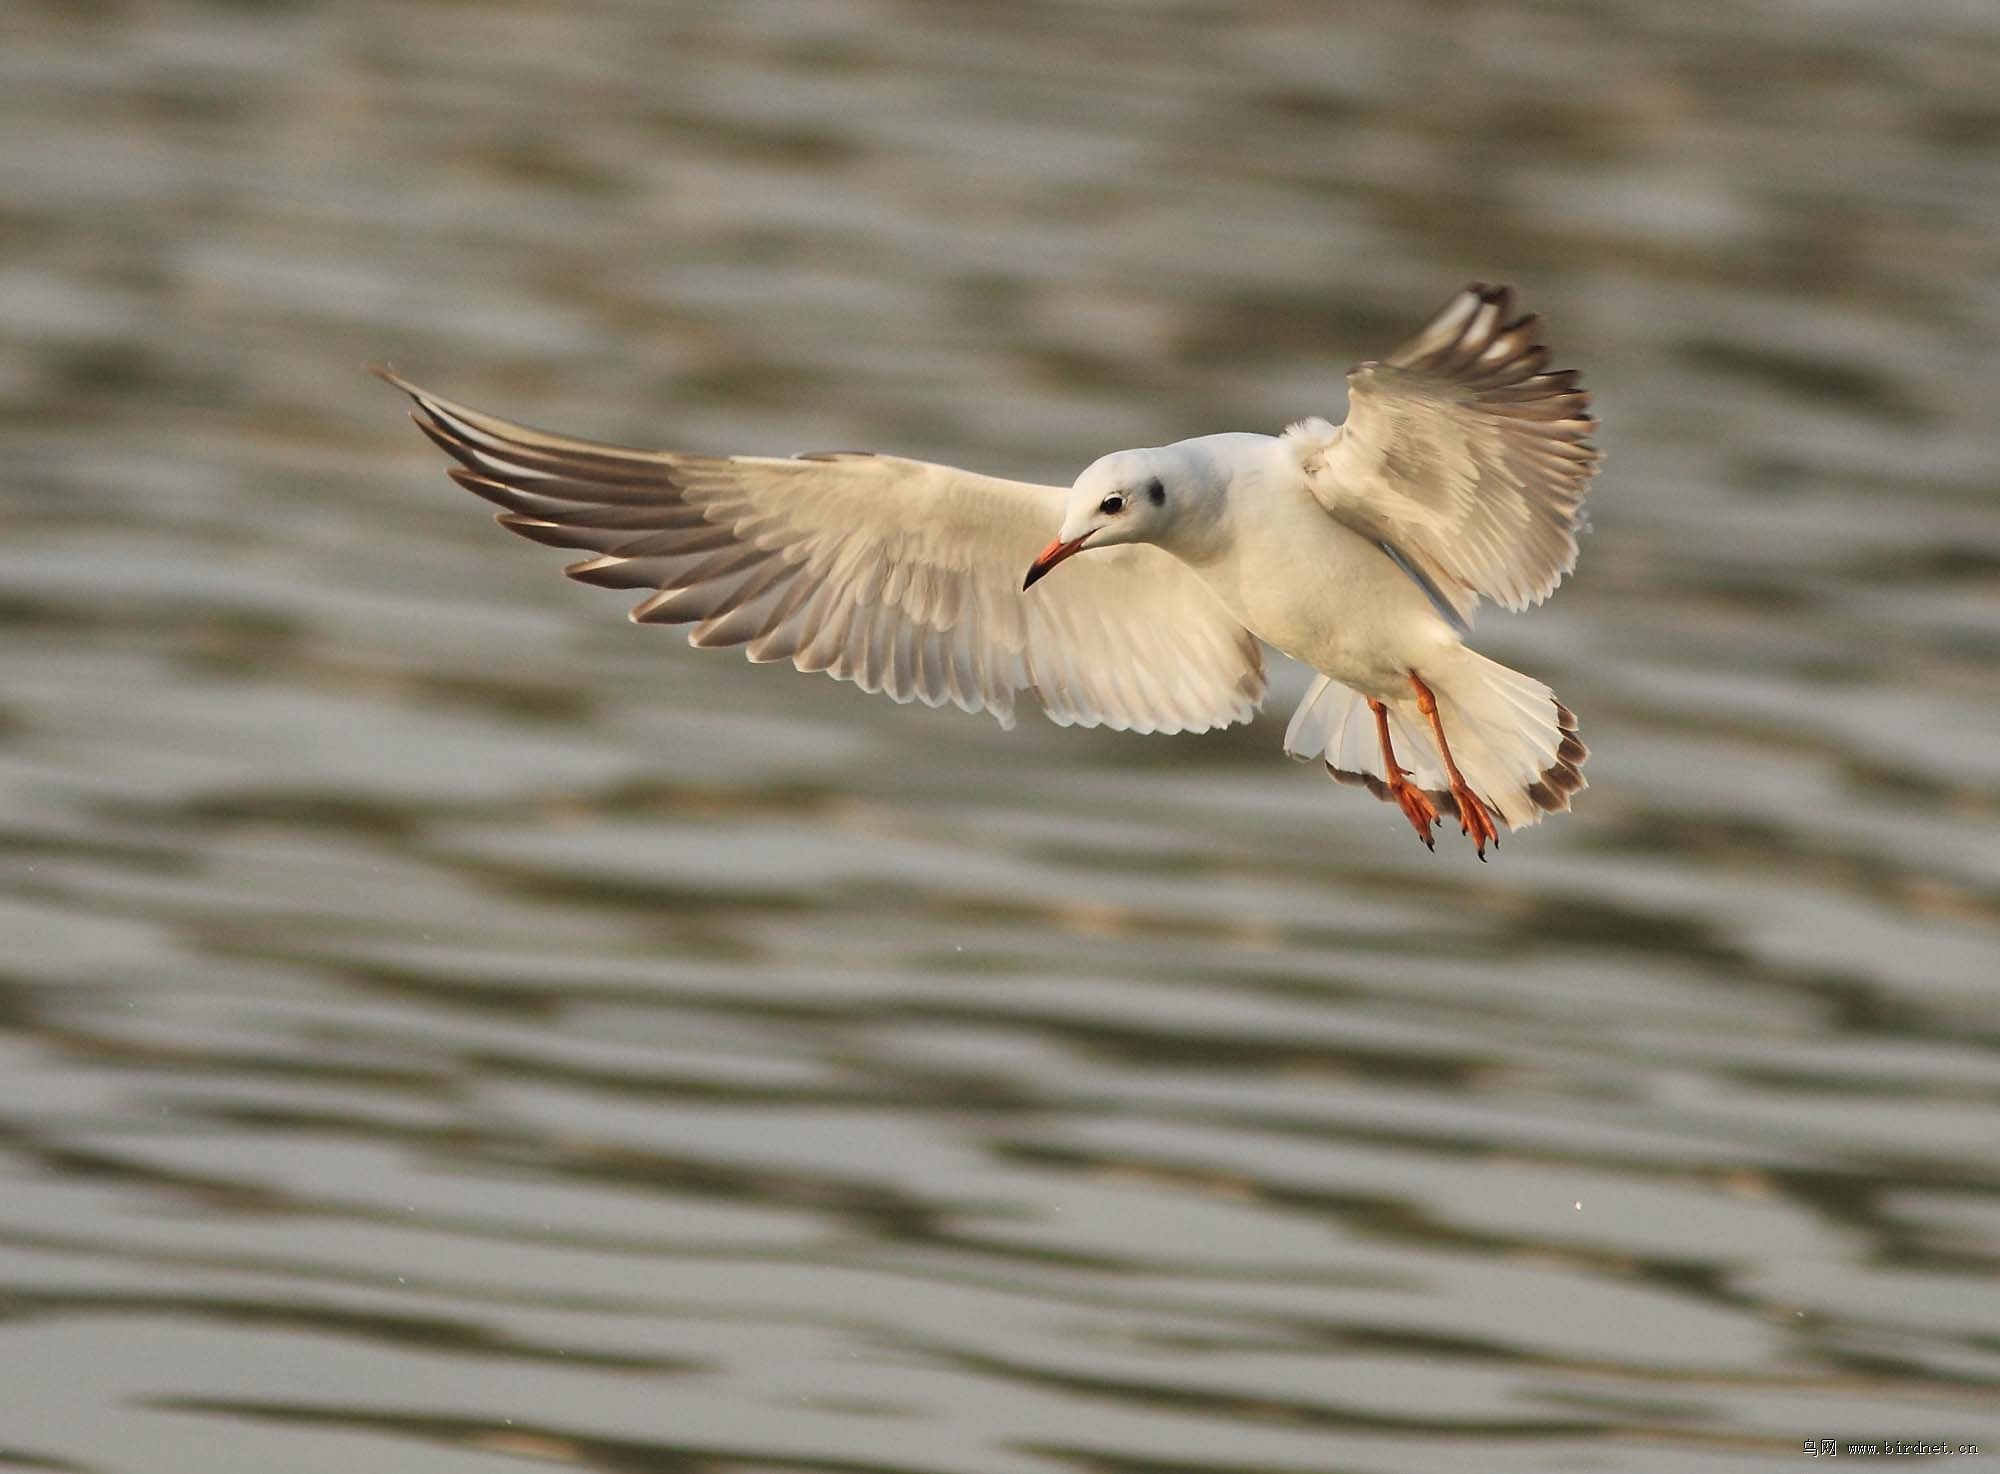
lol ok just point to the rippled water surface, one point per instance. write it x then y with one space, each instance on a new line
445 1028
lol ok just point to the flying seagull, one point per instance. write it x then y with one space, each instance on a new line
1361 550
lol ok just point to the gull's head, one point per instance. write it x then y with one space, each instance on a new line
1125 497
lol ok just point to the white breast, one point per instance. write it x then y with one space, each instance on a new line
1310 587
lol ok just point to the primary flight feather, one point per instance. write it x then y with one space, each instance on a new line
1360 550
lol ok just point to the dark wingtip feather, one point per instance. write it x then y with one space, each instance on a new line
388 375
551 534
1564 776
439 434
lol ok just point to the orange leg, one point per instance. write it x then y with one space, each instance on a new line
1416 806
1474 817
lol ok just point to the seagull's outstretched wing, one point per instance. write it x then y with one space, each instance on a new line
1462 455
901 576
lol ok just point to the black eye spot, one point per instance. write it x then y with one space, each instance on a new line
1112 504
1156 493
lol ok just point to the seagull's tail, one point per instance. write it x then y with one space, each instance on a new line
1514 742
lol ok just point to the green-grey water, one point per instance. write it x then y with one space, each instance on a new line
446 1028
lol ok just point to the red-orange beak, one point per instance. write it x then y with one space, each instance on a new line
1051 555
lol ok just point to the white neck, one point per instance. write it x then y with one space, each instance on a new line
1206 474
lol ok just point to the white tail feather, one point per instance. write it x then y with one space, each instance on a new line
1514 742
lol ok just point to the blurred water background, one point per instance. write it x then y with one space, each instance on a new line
445 1028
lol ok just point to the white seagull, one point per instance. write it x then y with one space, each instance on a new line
1361 550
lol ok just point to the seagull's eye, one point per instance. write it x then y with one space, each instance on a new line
1112 505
